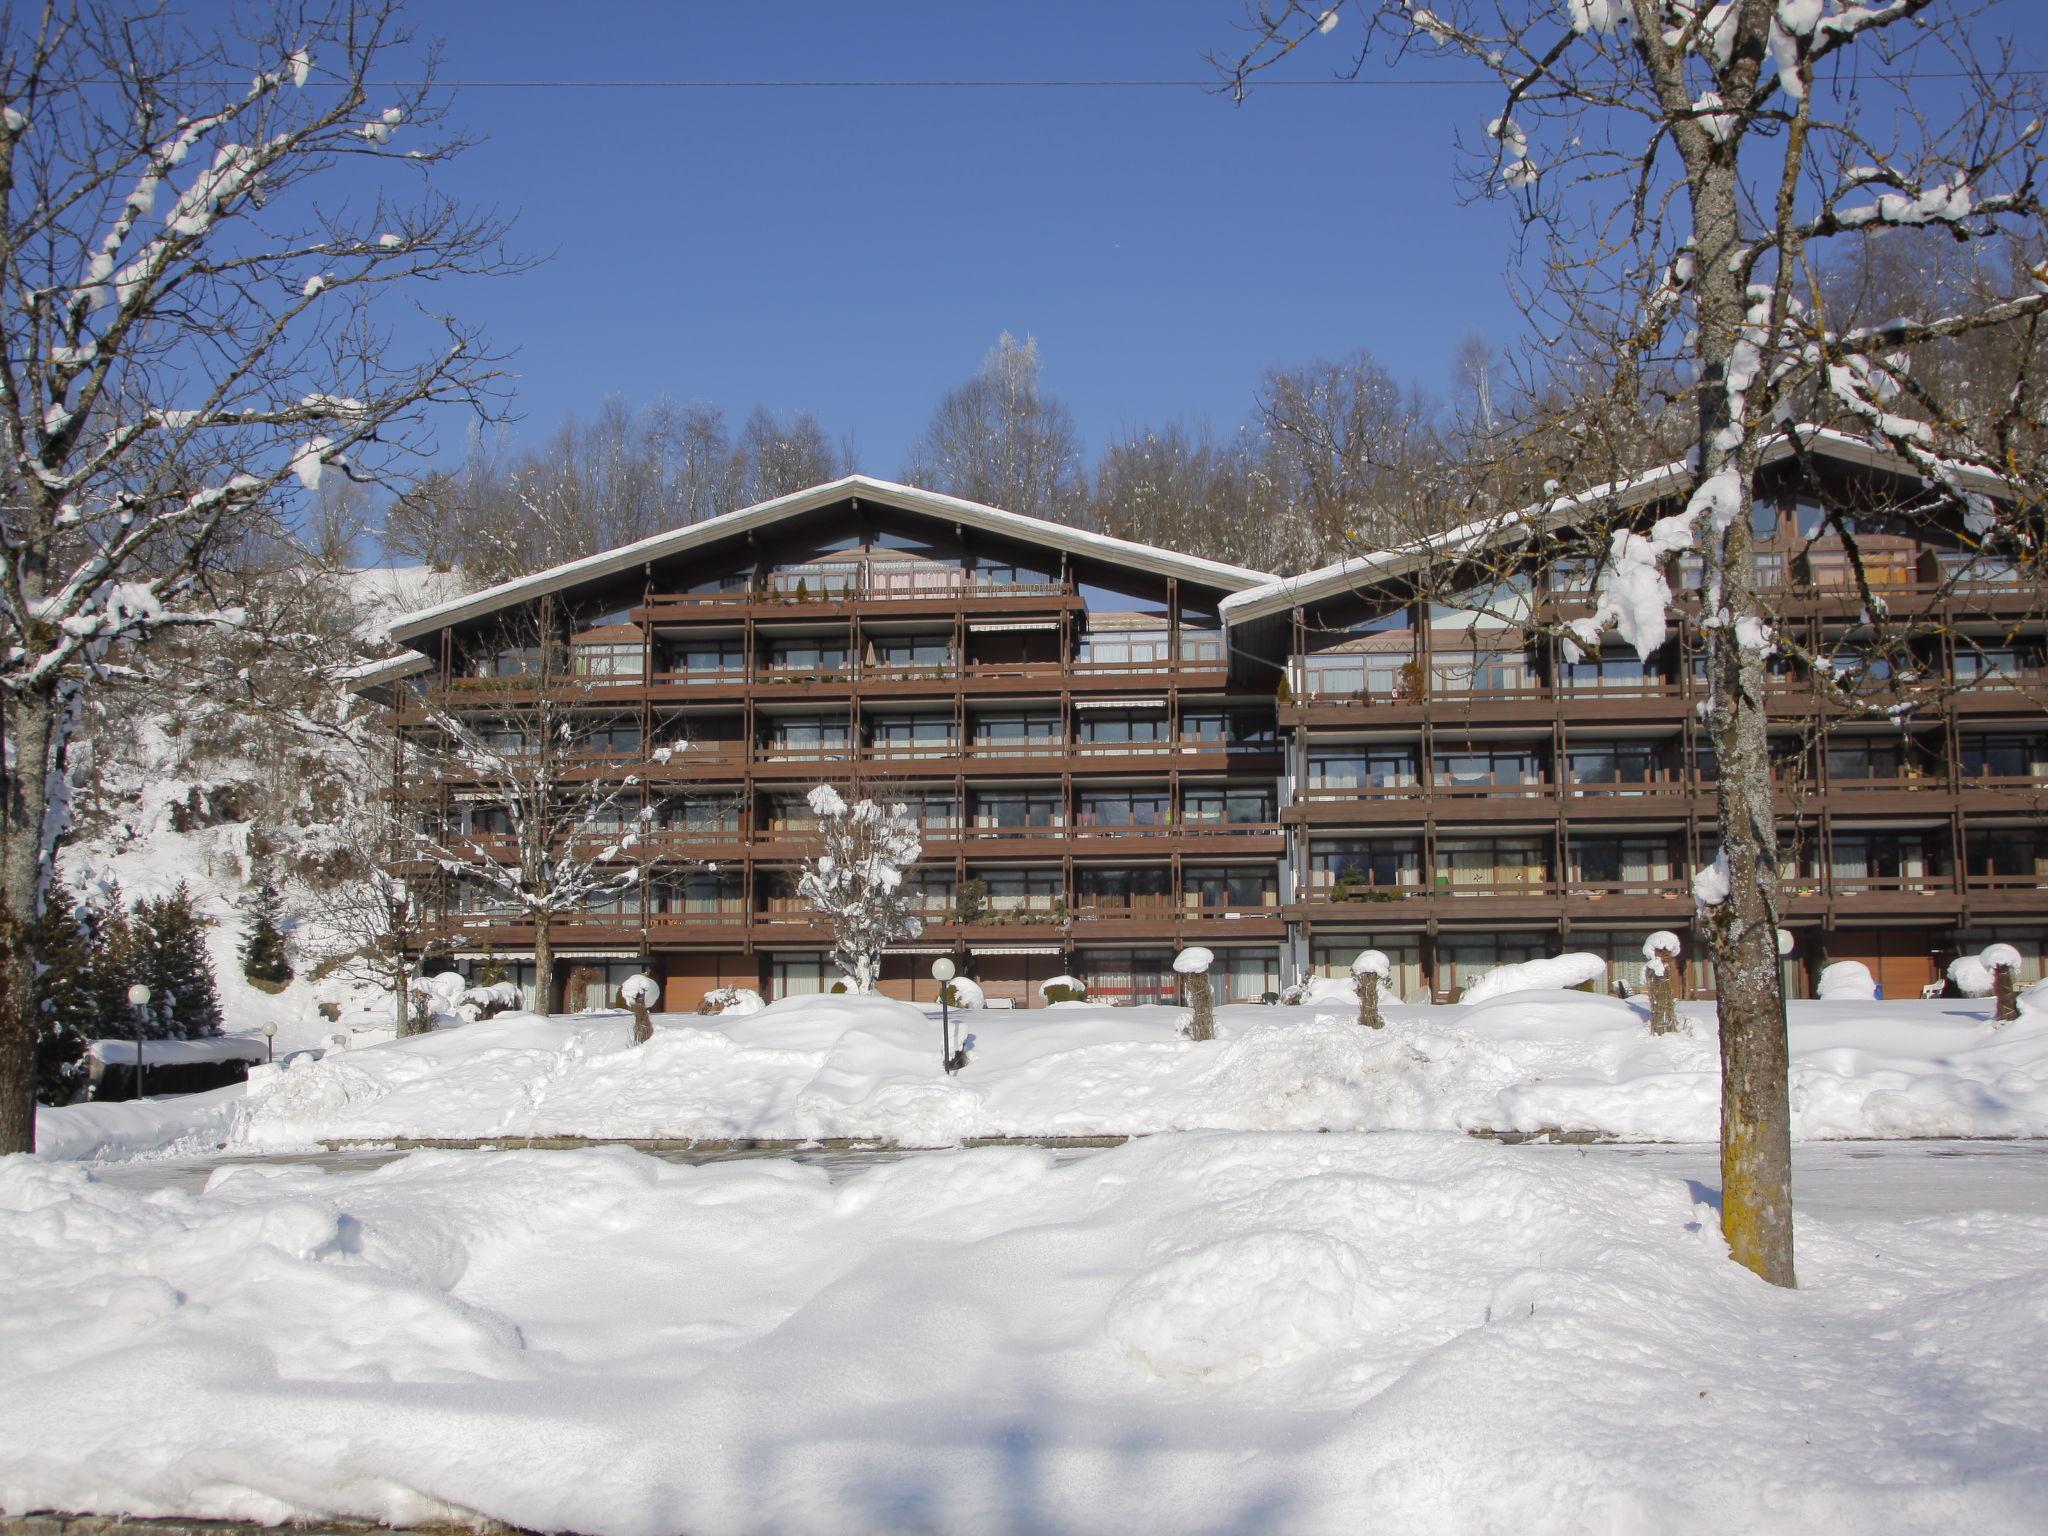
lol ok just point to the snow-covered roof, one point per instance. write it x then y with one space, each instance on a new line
1363 570
368 674
908 498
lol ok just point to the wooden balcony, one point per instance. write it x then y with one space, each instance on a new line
1619 702
863 591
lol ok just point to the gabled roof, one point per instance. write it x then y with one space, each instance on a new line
908 498
1359 571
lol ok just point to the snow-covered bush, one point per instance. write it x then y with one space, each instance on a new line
1063 989
965 992
1552 973
640 993
438 997
1192 966
1369 972
856 883
1847 981
732 1001
1971 976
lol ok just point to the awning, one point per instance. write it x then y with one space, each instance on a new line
510 957
918 949
1017 949
598 954
1119 703
992 626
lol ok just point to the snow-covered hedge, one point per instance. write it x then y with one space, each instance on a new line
1846 981
1553 973
966 993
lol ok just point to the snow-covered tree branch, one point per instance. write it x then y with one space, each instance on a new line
206 304
855 882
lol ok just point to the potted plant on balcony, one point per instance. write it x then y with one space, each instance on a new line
1414 681
970 902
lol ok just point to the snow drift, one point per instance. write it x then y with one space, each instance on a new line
865 1067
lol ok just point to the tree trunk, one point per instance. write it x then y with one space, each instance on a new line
1202 1000
1756 1109
1663 987
34 750
543 966
1369 1001
643 1022
2005 984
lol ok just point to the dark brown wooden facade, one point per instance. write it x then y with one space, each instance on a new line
1103 774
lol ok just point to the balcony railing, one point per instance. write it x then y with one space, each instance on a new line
851 580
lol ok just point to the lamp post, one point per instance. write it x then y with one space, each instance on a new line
942 973
269 1040
138 999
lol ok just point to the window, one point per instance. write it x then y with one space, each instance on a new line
1480 765
1019 808
2004 757
936 810
1577 574
1244 975
1142 889
2012 856
1022 892
1004 573
1361 768
1615 763
801 975
619 738
833 578
1879 758
613 660
913 735
1016 730
915 576
1201 645
791 813
1482 864
1480 672
701 813
1124 727
930 892
1809 518
517 661
1129 977
912 651
1124 808
1763 519
1989 663
696 893
1229 889
808 736
1236 805
1972 567
729 581
1612 667
1633 866
1884 861
1126 647
1349 673
695 659
809 654
1364 864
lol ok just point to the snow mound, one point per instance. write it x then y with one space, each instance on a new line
1846 981
1552 973
1228 1309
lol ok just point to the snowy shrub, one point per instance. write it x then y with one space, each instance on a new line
1660 956
1847 981
1971 976
640 991
1370 971
1554 973
856 883
963 992
736 1001
1063 989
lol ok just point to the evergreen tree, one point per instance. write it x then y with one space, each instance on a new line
170 937
263 948
112 966
66 999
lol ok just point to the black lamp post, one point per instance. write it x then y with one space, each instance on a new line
138 999
942 973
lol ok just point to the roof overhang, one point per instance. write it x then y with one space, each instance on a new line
908 498
1361 571
372 674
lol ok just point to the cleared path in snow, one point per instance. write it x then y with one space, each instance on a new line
1832 1179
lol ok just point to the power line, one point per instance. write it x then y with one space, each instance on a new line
1211 83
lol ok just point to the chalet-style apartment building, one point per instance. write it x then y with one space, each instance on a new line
1116 750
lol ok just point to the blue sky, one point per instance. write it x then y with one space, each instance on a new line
855 252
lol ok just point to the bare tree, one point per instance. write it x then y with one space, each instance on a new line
855 882
1688 174
998 440
188 335
783 459
1349 448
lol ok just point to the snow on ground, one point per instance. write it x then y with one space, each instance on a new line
1208 1332
868 1067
